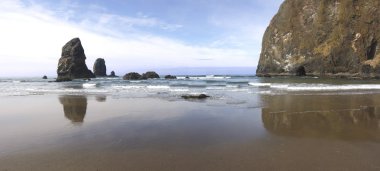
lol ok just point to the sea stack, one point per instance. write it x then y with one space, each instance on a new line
323 38
112 74
72 63
100 69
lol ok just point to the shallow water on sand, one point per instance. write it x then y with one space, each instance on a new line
157 130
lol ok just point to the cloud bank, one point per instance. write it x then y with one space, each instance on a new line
32 35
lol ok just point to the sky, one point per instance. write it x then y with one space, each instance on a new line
133 35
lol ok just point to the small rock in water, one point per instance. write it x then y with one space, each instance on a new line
149 75
195 96
44 77
132 76
170 77
112 74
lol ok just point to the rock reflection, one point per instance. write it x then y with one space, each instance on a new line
101 98
323 116
74 107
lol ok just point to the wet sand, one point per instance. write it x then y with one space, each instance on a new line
267 132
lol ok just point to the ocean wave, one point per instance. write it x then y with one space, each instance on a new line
326 87
179 89
158 87
128 86
259 84
89 85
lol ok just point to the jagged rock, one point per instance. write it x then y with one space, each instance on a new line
100 69
149 75
44 77
323 37
132 76
72 63
170 77
195 96
112 74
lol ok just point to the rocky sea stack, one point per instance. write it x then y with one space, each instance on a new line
323 38
72 64
100 69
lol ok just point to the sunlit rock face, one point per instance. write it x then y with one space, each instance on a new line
326 37
74 107
72 64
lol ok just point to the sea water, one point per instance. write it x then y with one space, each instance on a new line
208 84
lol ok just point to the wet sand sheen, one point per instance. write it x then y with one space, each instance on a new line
289 132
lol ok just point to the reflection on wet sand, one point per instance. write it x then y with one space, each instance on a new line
74 107
338 117
101 98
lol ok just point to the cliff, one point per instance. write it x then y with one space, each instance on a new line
323 38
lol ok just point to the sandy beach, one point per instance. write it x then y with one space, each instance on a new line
96 132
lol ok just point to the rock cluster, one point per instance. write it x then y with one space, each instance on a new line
72 63
170 77
132 76
137 76
323 38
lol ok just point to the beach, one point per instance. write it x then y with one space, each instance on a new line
94 128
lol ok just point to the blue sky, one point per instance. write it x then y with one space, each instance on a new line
133 35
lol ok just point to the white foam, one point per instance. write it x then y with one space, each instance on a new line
179 90
89 85
326 87
158 87
129 87
135 81
259 84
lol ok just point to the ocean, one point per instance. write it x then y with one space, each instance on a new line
214 85
247 123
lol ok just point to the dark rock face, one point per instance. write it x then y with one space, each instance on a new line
170 77
300 71
132 76
112 74
44 77
195 96
325 37
149 75
72 63
100 69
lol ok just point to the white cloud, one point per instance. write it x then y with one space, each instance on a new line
32 37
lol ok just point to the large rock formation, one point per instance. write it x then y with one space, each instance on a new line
323 37
72 63
100 69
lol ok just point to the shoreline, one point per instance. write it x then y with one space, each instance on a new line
328 75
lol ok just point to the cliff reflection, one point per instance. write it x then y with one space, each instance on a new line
329 116
74 107
101 98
